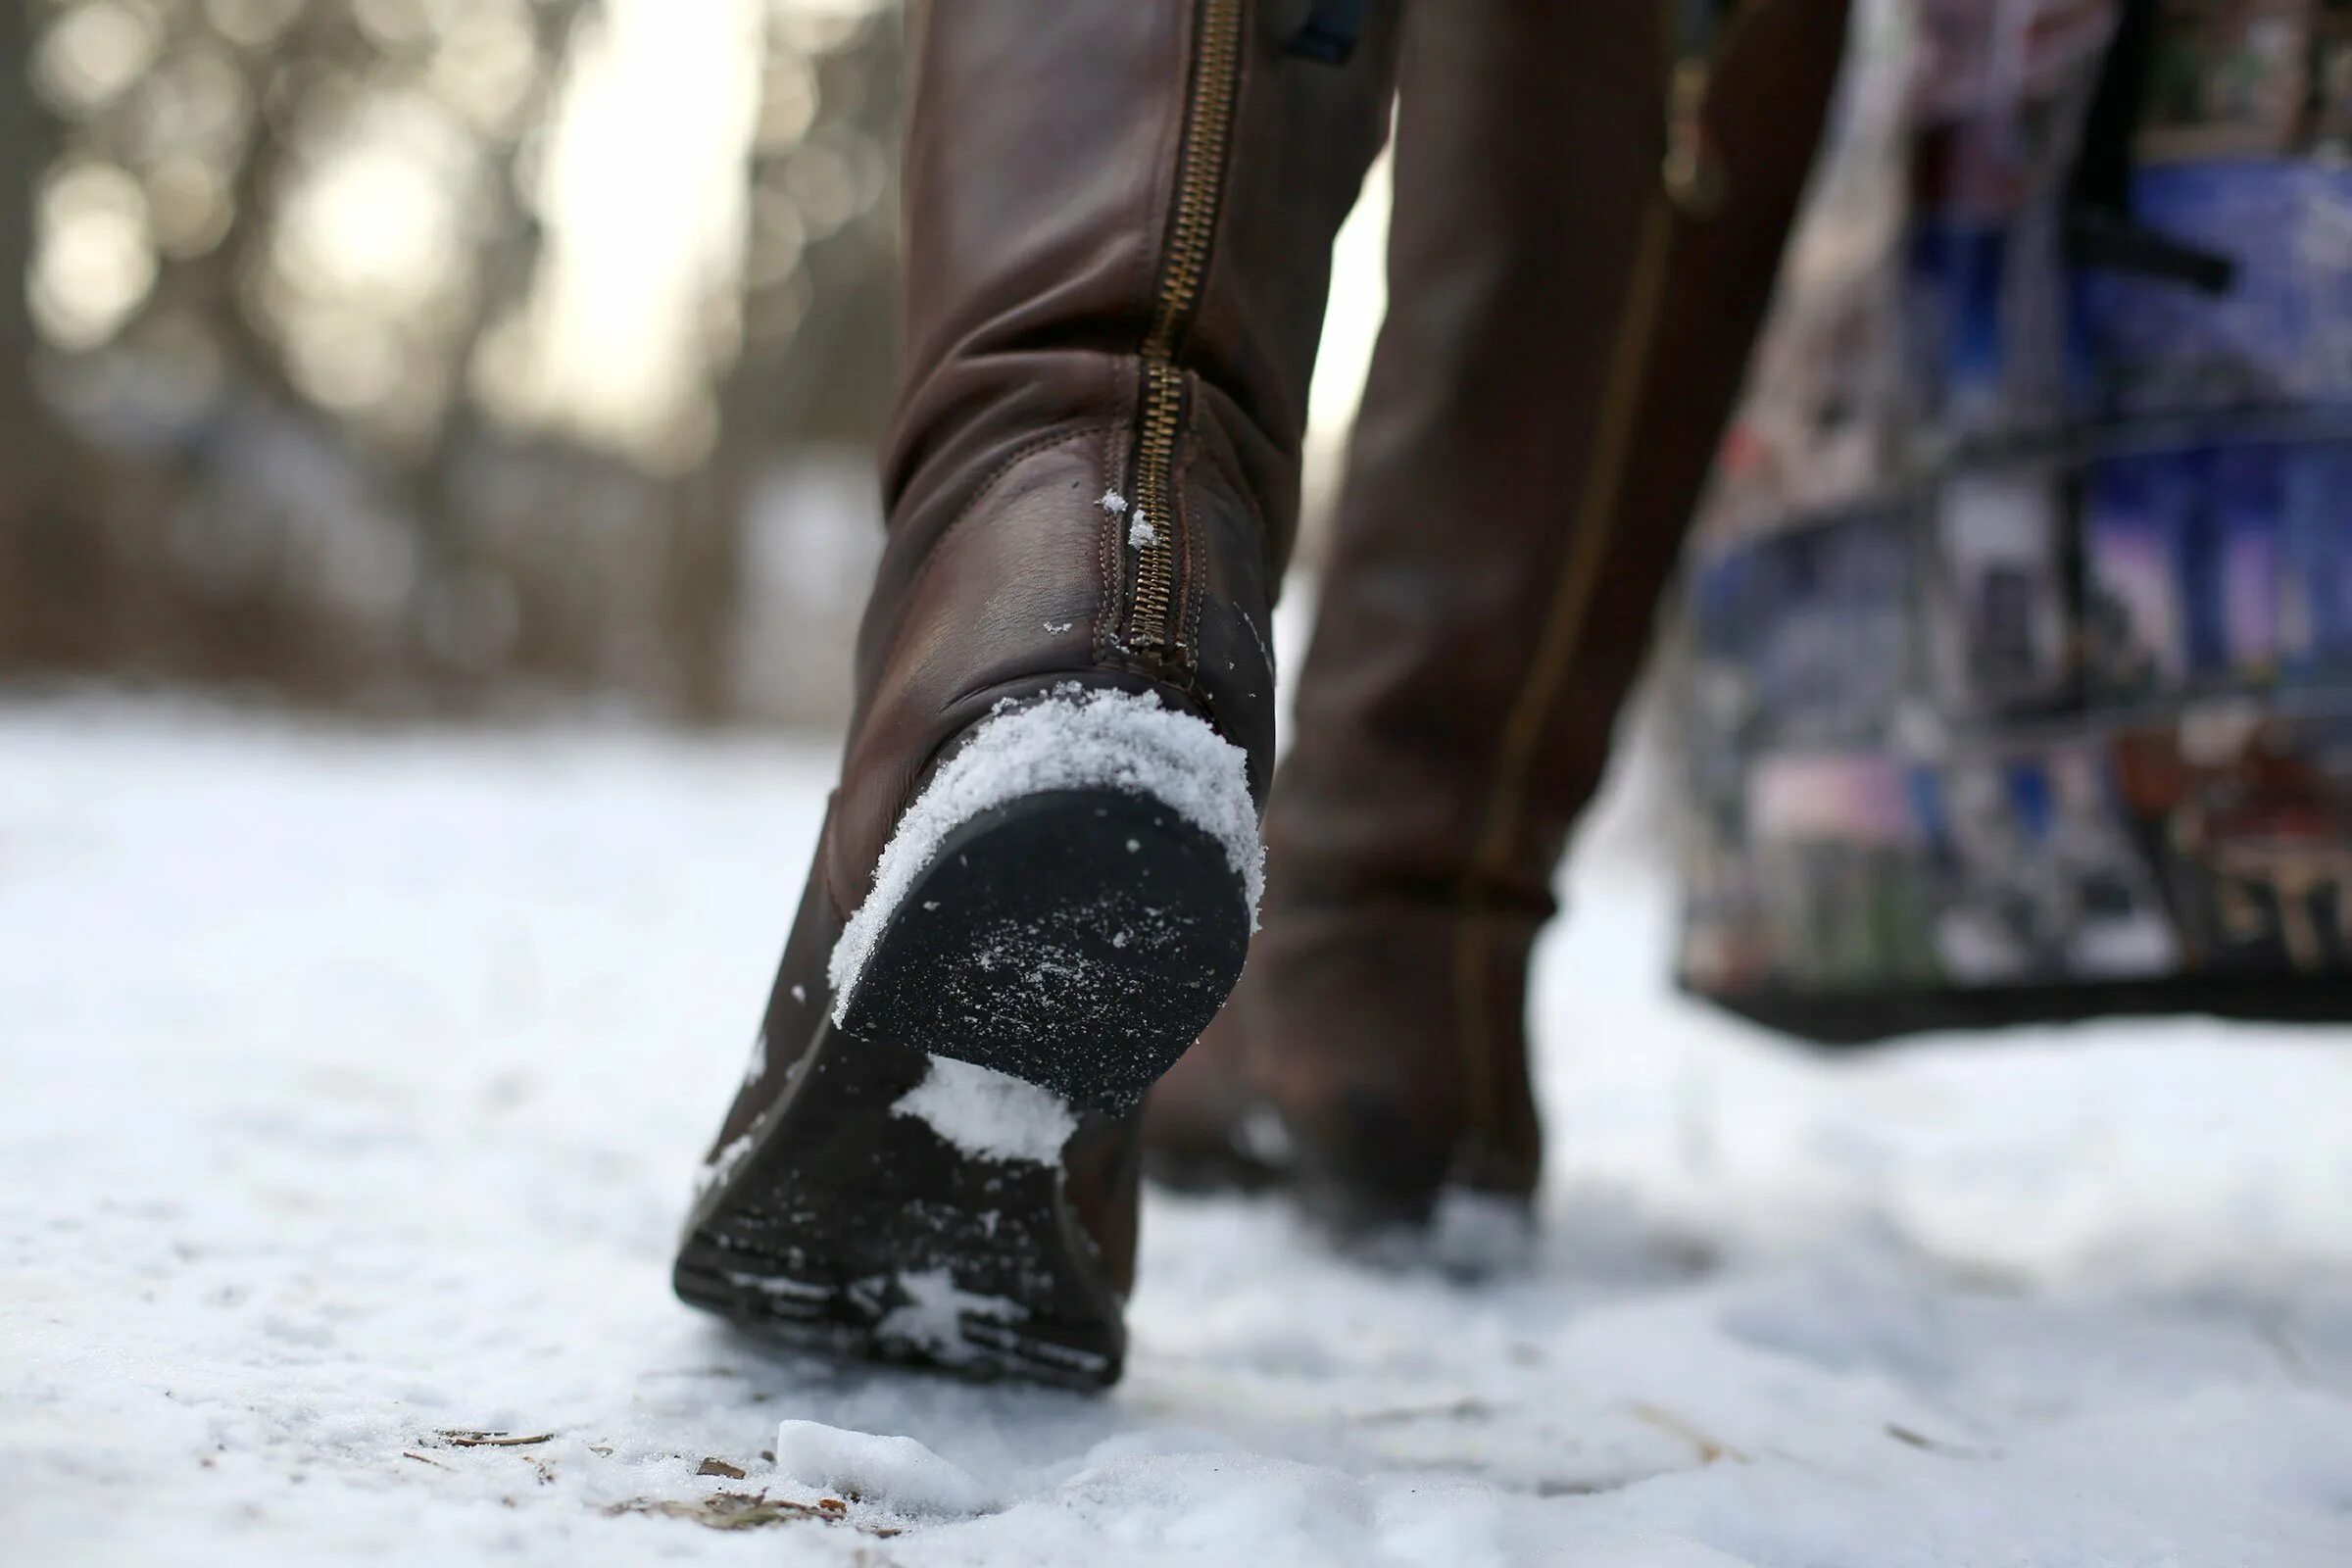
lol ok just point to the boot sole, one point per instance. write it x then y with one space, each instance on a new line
1077 939
841 1225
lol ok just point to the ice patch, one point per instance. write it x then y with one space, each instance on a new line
989 1115
1073 739
896 1474
1141 534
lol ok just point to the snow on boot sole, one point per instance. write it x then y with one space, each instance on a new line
847 1222
1078 939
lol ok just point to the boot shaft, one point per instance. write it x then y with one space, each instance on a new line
1588 217
1118 229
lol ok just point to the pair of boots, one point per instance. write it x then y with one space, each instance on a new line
1040 873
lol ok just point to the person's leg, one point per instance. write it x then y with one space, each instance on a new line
1584 238
1041 854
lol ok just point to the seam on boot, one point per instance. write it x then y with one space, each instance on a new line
1059 435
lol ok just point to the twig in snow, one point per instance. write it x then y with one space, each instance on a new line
1471 1409
1709 1450
750 1510
460 1437
1926 1444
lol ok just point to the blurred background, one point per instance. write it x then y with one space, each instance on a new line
460 357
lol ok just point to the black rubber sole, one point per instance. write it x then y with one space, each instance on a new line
843 1227
1078 939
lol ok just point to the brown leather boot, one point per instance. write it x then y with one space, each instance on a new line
1589 216
1038 877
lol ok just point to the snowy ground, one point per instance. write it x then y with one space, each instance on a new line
354 1084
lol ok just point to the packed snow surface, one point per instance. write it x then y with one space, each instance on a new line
989 1114
1072 738
354 1084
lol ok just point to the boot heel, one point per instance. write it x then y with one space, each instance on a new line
872 1213
1069 900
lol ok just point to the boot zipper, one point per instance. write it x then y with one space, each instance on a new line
1154 522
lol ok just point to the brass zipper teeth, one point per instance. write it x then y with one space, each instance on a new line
1200 187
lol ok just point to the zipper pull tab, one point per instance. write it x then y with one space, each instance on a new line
1691 170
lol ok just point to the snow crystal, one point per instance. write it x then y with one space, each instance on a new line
896 1474
1074 739
1112 502
988 1114
1141 534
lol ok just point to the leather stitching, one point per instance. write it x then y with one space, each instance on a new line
1059 435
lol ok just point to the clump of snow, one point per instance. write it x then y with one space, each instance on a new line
780 1286
896 1474
1075 738
1112 502
989 1114
934 1311
1262 1137
757 1068
722 1165
1141 534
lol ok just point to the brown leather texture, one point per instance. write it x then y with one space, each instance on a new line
1563 347
1041 163
1039 179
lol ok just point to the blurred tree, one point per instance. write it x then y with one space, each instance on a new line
20 159
818 298
295 285
47 555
